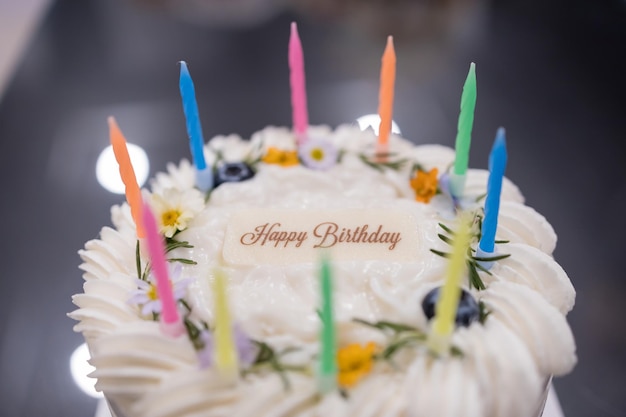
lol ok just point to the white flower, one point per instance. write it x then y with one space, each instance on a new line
146 296
273 137
174 209
229 148
181 177
318 154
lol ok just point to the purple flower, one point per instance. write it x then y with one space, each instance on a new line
247 351
318 154
205 354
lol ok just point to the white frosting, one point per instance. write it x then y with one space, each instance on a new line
505 361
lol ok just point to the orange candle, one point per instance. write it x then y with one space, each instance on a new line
385 104
133 194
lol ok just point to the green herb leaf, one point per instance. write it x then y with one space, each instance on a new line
445 238
138 259
182 261
474 279
483 312
455 351
491 258
171 244
446 229
386 325
440 253
395 346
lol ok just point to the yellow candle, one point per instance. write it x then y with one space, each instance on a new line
133 193
225 351
385 103
446 307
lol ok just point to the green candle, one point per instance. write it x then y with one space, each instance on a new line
464 132
328 349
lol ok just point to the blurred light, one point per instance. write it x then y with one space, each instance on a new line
107 170
373 121
80 368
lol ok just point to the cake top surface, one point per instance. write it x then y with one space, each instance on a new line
387 225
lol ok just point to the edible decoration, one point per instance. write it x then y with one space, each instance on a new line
447 304
318 154
425 185
298 86
354 361
233 172
497 165
171 323
146 296
225 351
175 209
292 236
327 376
132 191
475 261
464 134
385 100
284 158
467 311
204 180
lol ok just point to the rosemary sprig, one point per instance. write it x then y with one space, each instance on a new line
473 261
381 164
170 245
267 357
400 336
401 342
386 325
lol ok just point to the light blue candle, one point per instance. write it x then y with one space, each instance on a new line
497 165
190 107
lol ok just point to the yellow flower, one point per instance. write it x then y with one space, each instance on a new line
354 362
281 157
425 185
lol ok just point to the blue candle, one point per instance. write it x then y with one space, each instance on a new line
190 107
497 165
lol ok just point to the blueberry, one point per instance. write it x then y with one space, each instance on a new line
467 312
233 172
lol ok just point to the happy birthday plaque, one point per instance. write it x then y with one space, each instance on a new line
282 236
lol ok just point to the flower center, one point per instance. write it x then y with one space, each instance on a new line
317 154
152 293
170 217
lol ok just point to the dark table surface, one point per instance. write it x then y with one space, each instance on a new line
553 73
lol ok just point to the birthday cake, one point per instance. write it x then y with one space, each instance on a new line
324 272
387 226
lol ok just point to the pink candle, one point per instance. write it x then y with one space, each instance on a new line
298 86
171 323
